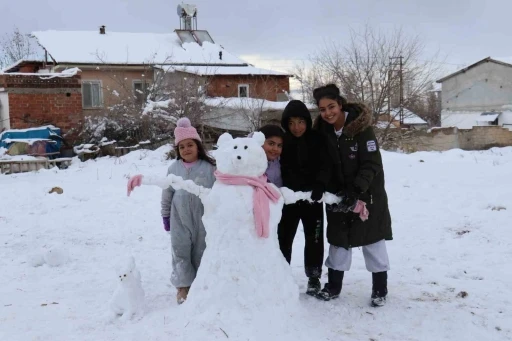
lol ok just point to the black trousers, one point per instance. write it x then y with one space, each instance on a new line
312 216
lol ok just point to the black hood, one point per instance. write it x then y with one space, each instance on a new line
296 108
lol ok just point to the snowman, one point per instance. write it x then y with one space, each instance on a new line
242 268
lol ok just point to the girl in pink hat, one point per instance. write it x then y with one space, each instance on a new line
182 211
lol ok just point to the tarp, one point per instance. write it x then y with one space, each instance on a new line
49 133
38 148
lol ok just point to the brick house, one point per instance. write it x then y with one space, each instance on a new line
116 65
33 99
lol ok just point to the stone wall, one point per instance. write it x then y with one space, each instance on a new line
440 139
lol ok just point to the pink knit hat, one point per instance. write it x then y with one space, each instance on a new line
184 130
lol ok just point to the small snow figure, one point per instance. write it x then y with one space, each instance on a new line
54 256
128 298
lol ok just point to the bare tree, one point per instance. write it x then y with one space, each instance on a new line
149 108
15 46
428 107
363 69
311 76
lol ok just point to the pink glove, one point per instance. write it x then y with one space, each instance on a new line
134 181
362 210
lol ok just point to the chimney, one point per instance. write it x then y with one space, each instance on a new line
220 55
102 29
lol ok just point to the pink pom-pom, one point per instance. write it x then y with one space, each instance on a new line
183 123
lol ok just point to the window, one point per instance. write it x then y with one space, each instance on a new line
243 90
140 90
91 94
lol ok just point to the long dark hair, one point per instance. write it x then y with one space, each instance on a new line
201 153
330 91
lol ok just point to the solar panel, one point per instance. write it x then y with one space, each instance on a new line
186 36
202 36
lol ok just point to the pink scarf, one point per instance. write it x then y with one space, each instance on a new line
263 192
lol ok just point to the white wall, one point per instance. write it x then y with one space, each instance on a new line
4 111
469 119
485 87
505 120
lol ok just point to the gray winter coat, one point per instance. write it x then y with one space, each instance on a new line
187 230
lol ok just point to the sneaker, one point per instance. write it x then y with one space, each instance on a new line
327 294
181 295
314 286
378 300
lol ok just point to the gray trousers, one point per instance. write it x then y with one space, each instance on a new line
188 246
375 257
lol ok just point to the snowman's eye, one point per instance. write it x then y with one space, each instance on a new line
245 147
235 147
124 275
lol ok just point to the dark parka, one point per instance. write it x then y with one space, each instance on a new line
358 168
305 161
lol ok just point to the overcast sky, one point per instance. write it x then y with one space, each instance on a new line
278 33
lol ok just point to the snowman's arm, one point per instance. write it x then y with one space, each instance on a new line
177 182
291 197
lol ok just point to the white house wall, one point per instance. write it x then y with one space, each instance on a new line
469 119
505 120
485 87
4 111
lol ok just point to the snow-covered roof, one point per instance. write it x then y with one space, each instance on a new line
488 117
129 48
223 70
67 73
19 63
248 103
409 116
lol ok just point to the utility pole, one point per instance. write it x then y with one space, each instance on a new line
400 64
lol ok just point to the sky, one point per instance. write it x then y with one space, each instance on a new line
279 34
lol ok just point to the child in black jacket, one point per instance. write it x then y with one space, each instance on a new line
305 166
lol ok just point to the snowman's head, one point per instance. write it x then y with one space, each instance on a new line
241 156
125 269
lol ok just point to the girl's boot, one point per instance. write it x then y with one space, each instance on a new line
181 295
332 288
379 288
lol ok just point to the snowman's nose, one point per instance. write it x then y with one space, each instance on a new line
239 157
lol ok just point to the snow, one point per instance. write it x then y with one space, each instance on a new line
249 103
27 129
487 117
222 70
8 157
67 73
469 119
28 141
129 48
152 106
452 236
409 116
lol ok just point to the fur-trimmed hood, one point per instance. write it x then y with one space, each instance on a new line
359 118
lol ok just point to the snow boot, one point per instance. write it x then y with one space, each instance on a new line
314 286
181 295
332 289
379 288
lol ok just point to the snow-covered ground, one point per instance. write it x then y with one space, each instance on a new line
451 259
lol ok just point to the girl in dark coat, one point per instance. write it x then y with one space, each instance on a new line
358 175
